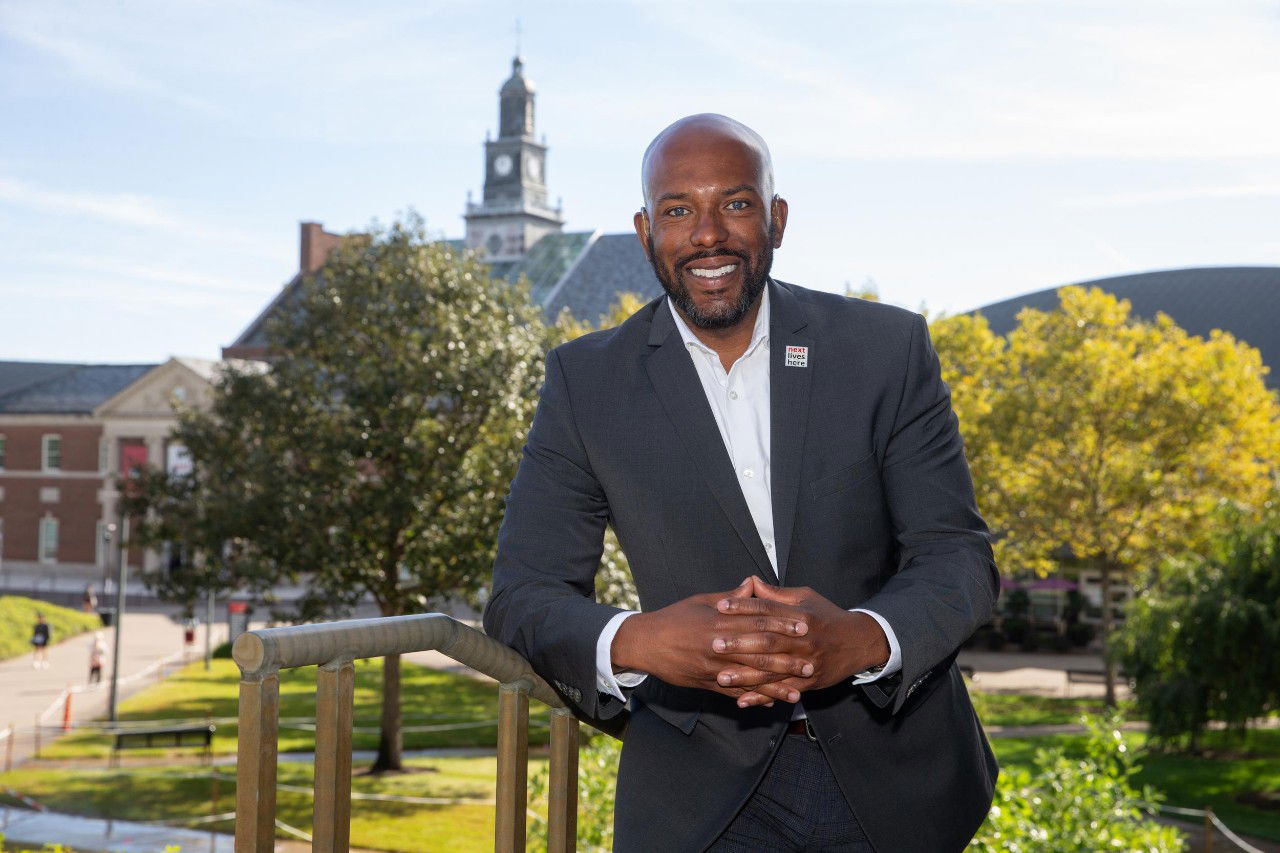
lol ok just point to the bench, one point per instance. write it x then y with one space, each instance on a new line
175 737
1084 676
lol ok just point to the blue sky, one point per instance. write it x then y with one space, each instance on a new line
156 157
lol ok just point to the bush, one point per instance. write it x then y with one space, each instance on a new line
1017 630
1081 634
1076 805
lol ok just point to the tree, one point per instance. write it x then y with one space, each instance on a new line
372 456
1105 437
1195 640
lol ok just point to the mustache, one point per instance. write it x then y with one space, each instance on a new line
708 254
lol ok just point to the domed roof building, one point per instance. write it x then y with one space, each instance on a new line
1244 301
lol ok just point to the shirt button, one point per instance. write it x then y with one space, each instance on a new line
768 546
748 473
733 395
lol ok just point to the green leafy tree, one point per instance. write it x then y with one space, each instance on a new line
372 456
1199 642
1109 438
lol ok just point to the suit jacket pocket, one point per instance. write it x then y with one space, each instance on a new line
678 706
846 478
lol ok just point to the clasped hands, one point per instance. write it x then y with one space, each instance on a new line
758 643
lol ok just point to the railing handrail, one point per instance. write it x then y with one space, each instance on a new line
264 651
334 647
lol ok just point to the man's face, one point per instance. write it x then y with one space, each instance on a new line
709 233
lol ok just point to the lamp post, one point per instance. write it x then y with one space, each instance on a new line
122 577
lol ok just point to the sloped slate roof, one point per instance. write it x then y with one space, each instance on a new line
612 264
52 388
1244 301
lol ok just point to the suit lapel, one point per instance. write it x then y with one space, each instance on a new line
676 381
788 413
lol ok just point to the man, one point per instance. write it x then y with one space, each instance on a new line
740 426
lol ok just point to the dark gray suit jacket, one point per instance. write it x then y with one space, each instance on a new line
873 507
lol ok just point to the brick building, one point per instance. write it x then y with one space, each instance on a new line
66 431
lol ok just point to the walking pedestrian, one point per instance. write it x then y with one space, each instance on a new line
97 652
90 600
40 636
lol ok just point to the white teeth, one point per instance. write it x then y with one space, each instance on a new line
715 273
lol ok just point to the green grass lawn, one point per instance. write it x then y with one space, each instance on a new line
1231 769
429 698
164 793
18 617
1012 709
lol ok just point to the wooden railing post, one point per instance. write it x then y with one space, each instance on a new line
256 764
562 783
513 767
335 696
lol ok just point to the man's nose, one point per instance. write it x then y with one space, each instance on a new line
709 230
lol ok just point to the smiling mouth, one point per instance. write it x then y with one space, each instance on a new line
716 272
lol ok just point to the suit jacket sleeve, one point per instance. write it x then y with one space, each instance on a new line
549 547
946 583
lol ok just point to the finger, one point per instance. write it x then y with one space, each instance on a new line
763 607
764 694
774 665
786 626
769 692
740 679
782 594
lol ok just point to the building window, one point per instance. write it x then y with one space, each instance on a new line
50 494
48 540
51 452
2 453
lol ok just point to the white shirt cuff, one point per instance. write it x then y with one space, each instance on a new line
895 651
606 680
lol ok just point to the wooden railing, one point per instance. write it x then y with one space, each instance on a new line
333 647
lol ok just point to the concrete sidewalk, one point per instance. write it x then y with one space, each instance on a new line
27 694
1037 673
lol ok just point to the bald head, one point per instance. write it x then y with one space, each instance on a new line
702 135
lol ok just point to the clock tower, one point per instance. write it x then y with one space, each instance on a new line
514 213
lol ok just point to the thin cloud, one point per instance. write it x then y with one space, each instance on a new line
125 209
110 71
1177 194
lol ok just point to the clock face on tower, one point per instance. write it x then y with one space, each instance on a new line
502 164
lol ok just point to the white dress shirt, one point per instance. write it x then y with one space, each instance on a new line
739 399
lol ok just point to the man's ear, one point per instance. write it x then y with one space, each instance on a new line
641 223
778 212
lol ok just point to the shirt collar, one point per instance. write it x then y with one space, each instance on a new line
759 332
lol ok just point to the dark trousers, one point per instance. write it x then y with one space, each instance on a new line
797 807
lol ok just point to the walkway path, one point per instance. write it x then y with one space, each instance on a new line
27 693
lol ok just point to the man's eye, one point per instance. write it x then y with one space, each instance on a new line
739 204
677 211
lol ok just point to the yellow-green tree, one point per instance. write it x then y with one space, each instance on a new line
1111 437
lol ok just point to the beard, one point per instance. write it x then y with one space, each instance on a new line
755 273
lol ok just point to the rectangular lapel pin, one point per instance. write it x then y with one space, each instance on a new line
797 356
